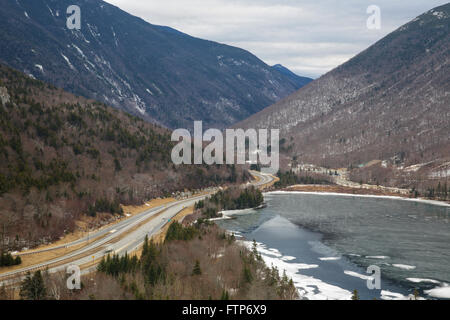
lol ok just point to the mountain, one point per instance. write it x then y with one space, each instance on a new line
390 103
154 72
298 80
63 156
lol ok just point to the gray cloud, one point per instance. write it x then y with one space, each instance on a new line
309 37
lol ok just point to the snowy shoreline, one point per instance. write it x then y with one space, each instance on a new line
227 214
420 200
324 290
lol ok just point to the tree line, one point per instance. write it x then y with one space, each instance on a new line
7 260
232 198
290 178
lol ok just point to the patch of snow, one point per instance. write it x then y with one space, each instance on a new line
329 258
94 31
51 12
442 292
116 41
404 266
388 295
39 67
439 14
358 275
419 280
433 202
288 258
157 89
440 174
354 255
307 286
68 62
415 167
79 50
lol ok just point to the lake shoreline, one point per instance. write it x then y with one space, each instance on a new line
311 259
352 192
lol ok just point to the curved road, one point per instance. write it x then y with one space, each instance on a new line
124 236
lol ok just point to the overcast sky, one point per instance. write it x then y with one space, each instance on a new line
309 37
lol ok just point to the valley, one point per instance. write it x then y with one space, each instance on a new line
140 162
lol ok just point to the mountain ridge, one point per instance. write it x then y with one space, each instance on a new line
301 81
64 157
390 102
155 72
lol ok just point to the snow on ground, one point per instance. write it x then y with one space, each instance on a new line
404 266
442 292
68 62
377 257
79 51
227 214
288 258
418 280
439 14
415 167
307 286
40 67
51 12
358 275
440 174
329 258
388 295
433 202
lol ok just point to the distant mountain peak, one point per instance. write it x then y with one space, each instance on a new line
300 81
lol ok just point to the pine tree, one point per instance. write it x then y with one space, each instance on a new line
197 271
225 295
355 295
248 277
145 247
416 294
33 287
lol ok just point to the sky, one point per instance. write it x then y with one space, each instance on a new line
309 37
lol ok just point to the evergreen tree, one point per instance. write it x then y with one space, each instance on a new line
33 287
225 295
248 277
197 271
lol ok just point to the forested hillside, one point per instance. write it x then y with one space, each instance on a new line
62 156
388 104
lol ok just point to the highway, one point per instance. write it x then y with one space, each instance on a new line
124 236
